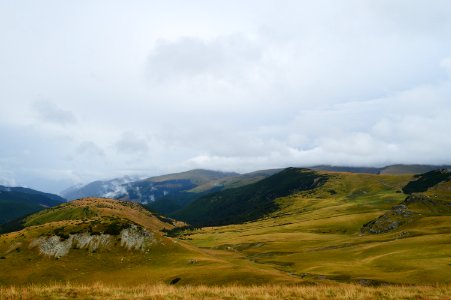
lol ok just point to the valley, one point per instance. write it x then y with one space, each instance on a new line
297 227
321 234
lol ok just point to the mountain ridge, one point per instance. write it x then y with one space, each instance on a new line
16 202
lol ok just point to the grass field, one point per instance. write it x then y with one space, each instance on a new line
311 247
162 291
162 261
316 235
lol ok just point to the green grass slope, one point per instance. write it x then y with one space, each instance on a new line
248 202
116 242
317 234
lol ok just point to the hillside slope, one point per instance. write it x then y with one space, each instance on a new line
248 202
172 203
16 202
116 242
321 233
427 180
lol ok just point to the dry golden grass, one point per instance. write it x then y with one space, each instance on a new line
162 291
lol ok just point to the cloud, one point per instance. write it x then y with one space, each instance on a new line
52 113
407 127
446 64
233 85
90 148
7 179
130 143
191 58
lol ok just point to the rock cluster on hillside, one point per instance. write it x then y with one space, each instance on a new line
132 238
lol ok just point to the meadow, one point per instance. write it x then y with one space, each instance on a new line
191 292
317 234
312 247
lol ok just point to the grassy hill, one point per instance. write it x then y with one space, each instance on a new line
111 241
174 202
297 226
320 233
249 202
16 202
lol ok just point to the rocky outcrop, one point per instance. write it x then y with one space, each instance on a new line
391 220
412 208
136 238
52 246
57 247
91 242
132 238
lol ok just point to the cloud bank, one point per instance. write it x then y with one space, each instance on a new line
100 89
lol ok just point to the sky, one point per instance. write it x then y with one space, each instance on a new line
101 89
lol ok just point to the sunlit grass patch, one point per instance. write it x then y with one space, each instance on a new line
163 291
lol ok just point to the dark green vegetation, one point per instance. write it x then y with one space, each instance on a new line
249 202
170 204
173 202
425 181
16 202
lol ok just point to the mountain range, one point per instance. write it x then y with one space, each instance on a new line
167 194
291 226
16 202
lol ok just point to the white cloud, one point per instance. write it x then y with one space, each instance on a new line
223 58
233 85
129 143
7 179
90 148
50 112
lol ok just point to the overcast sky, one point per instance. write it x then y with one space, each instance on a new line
100 89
